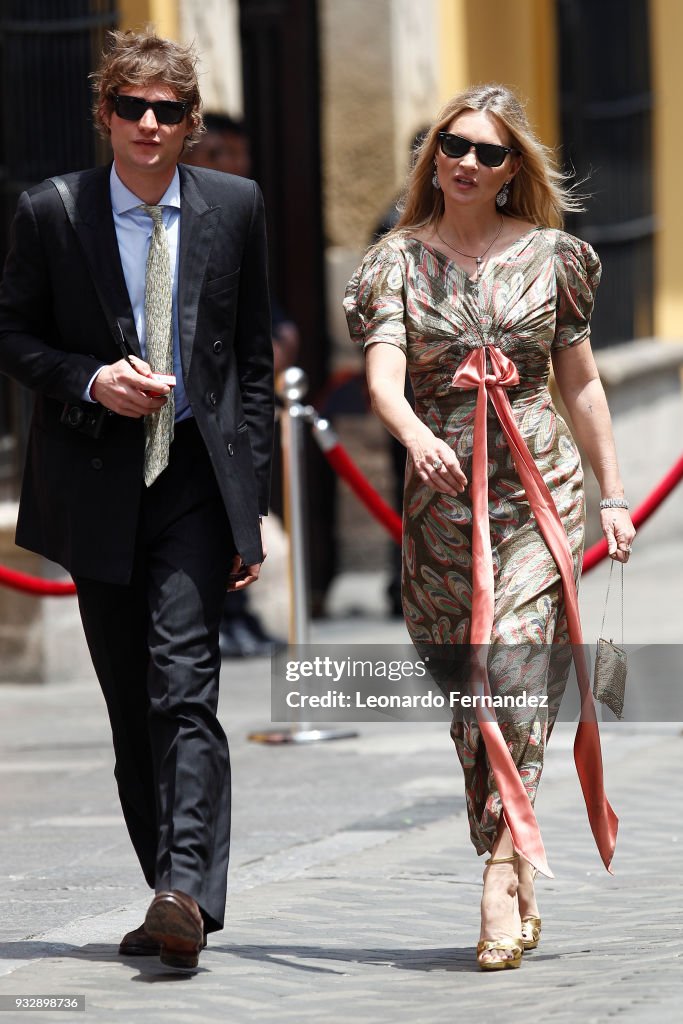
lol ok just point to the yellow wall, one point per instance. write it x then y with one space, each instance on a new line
453 57
162 14
666 31
515 43
500 41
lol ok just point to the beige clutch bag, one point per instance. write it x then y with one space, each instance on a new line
609 677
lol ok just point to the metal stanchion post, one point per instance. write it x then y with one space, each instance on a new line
292 386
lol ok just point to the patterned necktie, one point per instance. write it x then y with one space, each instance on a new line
158 306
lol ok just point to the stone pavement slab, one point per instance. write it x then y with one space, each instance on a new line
354 889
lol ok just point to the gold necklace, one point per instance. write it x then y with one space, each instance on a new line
469 256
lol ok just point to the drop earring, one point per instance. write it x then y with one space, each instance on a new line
435 180
503 195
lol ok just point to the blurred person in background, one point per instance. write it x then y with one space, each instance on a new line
476 290
225 147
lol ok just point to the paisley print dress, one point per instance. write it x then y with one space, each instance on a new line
533 298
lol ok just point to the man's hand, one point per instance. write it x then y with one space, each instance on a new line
242 575
129 390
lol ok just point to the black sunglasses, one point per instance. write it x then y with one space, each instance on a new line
487 153
133 108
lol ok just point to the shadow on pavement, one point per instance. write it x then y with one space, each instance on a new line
455 959
447 959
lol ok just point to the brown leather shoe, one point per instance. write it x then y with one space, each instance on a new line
139 943
174 920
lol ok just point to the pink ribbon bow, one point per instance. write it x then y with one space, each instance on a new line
517 810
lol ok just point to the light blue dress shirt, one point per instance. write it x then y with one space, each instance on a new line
133 233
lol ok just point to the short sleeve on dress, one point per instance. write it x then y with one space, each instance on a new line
374 302
578 270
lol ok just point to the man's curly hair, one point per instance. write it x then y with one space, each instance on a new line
143 58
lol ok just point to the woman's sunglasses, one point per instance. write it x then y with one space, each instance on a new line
133 108
487 153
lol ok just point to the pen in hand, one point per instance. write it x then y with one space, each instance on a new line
161 378
122 345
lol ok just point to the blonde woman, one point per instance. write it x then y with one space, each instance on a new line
478 290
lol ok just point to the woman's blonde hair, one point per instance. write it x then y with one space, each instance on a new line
143 58
538 192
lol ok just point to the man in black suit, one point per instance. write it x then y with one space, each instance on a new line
149 494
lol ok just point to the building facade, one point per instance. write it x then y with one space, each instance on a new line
333 91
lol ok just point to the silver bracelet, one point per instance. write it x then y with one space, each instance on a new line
614 503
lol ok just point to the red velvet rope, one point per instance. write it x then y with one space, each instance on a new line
598 551
34 585
342 463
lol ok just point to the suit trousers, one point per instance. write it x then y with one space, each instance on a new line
154 646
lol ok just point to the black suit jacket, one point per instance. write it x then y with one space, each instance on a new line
80 495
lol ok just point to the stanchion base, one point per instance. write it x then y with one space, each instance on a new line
294 735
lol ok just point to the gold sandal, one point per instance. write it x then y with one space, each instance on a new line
531 931
531 926
486 945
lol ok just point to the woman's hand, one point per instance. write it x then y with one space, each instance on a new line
619 532
436 464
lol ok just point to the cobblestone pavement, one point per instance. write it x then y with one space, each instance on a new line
354 888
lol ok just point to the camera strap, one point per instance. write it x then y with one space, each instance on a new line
71 210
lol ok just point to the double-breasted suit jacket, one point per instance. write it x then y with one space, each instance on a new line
63 291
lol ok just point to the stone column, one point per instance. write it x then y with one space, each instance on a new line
213 26
379 65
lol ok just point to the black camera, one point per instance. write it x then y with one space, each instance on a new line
87 420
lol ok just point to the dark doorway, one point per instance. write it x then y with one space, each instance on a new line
282 110
606 121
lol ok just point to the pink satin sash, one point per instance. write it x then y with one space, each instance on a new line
473 374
